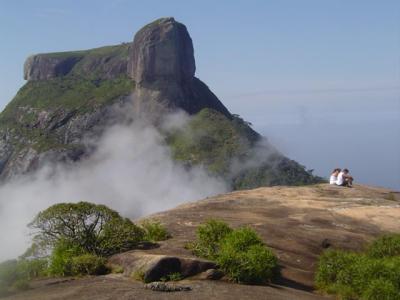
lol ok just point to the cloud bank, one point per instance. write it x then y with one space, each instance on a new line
131 171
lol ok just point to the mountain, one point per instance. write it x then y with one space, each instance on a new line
70 96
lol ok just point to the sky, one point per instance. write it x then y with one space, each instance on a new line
321 79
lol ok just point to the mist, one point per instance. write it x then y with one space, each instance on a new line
131 171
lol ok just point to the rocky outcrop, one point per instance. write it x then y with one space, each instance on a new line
161 62
153 267
162 50
42 67
100 63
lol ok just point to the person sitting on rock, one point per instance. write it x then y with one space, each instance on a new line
344 178
334 175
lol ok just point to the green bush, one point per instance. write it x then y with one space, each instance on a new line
117 236
88 264
61 258
331 262
67 259
381 289
244 258
385 246
358 275
154 231
95 228
209 236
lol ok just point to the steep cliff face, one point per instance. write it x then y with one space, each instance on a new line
72 95
105 63
161 62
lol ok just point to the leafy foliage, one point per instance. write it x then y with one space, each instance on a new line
370 275
93 228
244 258
61 257
154 231
379 289
88 264
209 236
240 253
385 246
68 260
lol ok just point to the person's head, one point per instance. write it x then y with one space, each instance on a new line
337 170
345 171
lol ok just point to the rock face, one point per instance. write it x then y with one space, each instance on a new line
41 67
161 62
162 50
105 63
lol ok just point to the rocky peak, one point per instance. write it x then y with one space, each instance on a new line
162 50
161 62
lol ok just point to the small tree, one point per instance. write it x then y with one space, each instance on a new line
94 228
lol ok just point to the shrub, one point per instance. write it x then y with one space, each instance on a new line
154 231
357 275
60 259
94 228
118 235
380 289
209 235
244 258
385 246
331 262
88 264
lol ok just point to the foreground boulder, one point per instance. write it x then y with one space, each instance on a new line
153 267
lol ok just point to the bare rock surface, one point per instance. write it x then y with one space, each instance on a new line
111 287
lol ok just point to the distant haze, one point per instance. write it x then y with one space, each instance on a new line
359 130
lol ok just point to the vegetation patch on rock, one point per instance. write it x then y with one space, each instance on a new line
240 253
372 274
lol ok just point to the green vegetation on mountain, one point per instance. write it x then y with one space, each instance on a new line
228 148
211 139
369 275
70 93
61 96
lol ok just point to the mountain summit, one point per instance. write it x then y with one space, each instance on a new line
72 95
161 62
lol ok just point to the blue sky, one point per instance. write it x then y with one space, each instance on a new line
277 63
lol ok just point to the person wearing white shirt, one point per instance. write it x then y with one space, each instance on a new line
334 176
344 178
